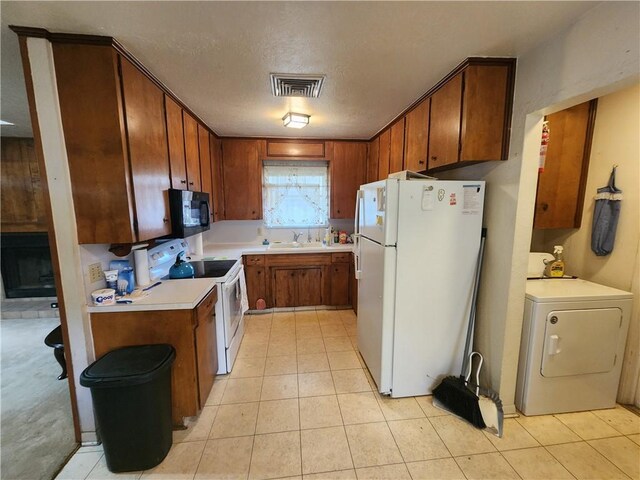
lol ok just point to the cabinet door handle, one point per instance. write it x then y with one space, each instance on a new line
434 158
545 207
208 304
421 162
165 220
190 183
183 181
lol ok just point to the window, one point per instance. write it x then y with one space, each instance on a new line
295 194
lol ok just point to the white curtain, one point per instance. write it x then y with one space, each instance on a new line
295 194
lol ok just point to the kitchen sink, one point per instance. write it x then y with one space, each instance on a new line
280 245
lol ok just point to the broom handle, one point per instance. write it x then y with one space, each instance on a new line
472 313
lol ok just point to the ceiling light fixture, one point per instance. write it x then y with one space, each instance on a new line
2 122
295 120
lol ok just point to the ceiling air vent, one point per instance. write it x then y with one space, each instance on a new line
292 85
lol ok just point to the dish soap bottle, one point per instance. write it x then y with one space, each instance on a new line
556 267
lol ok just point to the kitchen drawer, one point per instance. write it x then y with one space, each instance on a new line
207 304
342 257
298 259
251 260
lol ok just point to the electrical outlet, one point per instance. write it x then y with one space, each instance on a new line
95 272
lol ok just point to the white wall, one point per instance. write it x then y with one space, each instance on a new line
616 140
596 55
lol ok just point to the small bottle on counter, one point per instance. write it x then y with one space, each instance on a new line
555 268
328 236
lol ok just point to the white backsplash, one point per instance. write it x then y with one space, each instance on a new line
254 231
97 253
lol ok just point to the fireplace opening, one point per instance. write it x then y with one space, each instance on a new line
26 265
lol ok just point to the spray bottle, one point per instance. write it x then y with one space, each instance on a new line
555 268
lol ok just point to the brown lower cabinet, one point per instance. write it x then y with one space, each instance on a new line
297 287
256 285
340 284
191 332
298 280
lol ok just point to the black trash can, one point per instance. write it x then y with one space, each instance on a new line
131 391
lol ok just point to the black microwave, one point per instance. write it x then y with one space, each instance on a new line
190 212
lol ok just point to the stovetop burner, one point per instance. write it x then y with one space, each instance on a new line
210 268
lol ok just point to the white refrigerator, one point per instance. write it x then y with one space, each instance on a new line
416 249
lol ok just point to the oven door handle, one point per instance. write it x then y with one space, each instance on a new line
236 279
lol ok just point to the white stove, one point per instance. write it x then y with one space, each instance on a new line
232 298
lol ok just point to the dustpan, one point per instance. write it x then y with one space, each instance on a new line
488 400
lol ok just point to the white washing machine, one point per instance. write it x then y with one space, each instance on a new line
573 341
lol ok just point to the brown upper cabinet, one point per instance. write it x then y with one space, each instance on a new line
347 174
175 137
444 133
192 153
116 139
384 152
192 170
396 146
471 114
372 160
295 148
561 186
416 137
205 163
148 154
23 207
217 205
242 178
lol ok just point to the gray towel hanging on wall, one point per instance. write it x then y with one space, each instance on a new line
605 217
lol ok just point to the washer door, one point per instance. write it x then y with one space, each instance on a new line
580 342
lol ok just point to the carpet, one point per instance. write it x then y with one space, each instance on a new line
37 427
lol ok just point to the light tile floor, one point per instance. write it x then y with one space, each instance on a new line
299 404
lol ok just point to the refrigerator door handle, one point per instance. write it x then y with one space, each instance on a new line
356 237
356 221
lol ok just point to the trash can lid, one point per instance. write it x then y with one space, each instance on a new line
128 366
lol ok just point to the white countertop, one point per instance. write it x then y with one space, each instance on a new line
185 294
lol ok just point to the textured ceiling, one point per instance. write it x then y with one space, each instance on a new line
216 56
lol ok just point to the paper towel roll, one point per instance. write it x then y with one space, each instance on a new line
195 242
141 262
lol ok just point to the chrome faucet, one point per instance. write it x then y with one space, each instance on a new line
308 235
296 236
